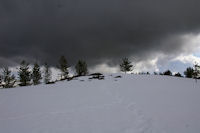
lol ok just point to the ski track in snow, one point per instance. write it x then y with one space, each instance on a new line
138 123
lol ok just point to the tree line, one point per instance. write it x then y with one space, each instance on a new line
190 72
34 76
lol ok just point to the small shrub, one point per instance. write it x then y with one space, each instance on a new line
155 73
168 72
97 76
118 76
52 82
160 73
94 74
178 75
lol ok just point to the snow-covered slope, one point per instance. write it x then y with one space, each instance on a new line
131 104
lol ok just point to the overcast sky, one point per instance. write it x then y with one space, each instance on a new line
155 34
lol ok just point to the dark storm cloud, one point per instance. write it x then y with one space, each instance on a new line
94 30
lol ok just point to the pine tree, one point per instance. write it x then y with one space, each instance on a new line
126 66
47 73
63 66
189 72
196 72
81 68
9 80
24 74
36 74
0 80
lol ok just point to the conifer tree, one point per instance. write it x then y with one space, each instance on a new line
189 72
24 74
126 66
0 80
36 74
47 73
9 80
81 68
63 66
196 72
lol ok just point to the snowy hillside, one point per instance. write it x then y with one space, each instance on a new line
131 104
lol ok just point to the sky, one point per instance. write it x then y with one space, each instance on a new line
154 34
